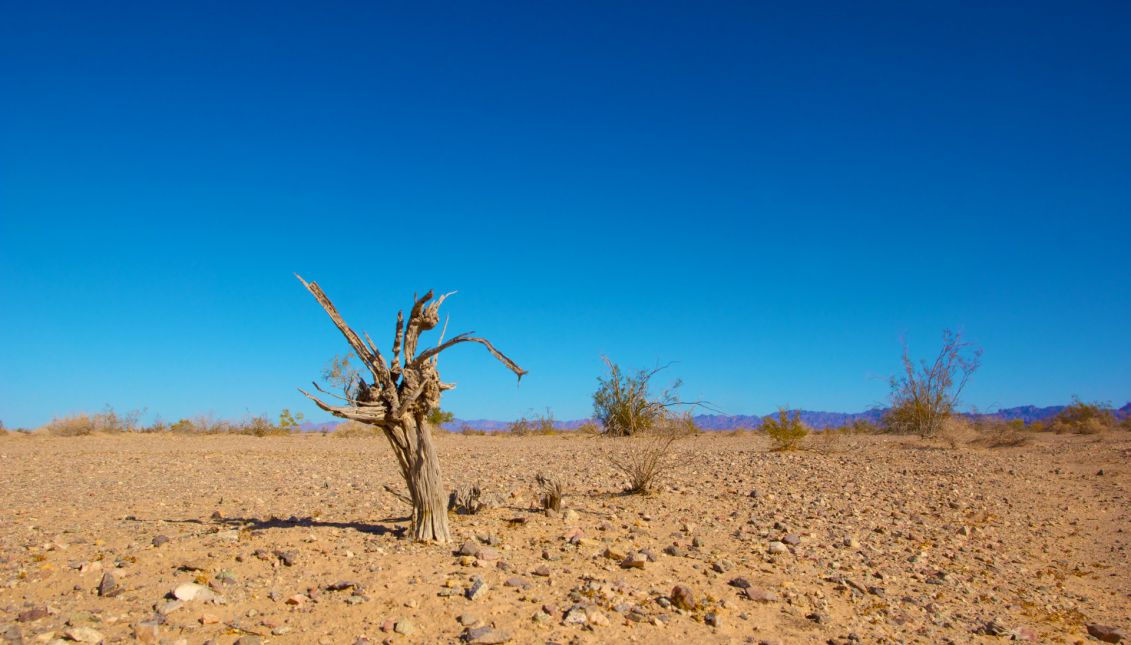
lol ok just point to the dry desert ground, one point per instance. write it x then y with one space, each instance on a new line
294 540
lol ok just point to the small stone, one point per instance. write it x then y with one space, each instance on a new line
32 615
469 547
542 571
160 539
518 582
486 636
850 543
674 551
570 515
683 597
84 635
488 554
597 617
288 558
192 591
1106 633
342 585
760 595
722 566
634 561
696 542
297 599
576 616
614 553
791 539
477 590
208 619
108 587
404 626
250 639
468 620
711 619
778 548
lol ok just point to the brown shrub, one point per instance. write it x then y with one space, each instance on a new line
350 429
644 457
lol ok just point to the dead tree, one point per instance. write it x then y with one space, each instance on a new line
400 397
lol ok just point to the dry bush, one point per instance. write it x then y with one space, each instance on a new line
261 426
468 431
644 457
956 432
466 500
624 405
1083 418
82 424
552 492
926 395
786 431
201 424
588 428
994 432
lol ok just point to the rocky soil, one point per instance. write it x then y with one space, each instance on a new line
222 539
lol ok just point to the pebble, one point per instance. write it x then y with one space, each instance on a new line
778 548
542 570
634 561
192 591
160 539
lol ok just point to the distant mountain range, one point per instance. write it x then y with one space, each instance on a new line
815 419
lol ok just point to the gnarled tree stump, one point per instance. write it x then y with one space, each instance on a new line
399 399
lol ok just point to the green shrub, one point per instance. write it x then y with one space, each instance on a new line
786 431
926 395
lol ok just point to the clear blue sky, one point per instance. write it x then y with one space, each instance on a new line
772 194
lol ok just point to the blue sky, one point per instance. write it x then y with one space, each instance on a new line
771 194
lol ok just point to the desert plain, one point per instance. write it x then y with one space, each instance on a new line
871 539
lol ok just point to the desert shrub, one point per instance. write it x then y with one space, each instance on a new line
644 456
927 394
624 404
786 432
1083 418
108 421
552 492
994 432
261 426
349 429
520 427
201 424
468 431
289 421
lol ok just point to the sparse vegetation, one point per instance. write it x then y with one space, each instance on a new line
437 418
552 492
106 422
927 394
644 456
1083 418
787 431
624 404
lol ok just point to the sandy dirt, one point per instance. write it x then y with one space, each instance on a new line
293 540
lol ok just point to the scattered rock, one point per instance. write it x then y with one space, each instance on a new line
722 566
288 558
778 548
160 539
634 561
791 539
1104 632
84 635
469 547
486 636
477 590
32 615
108 586
405 627
683 597
191 591
760 595
740 582
542 570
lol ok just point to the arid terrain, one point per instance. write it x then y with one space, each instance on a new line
294 540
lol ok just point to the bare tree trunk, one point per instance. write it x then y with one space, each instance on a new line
426 488
401 394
